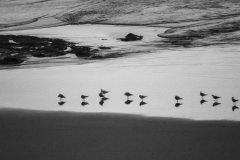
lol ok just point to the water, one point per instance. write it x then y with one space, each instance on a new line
159 74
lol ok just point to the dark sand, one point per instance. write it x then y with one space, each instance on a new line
39 135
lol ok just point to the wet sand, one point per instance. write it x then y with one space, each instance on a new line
39 135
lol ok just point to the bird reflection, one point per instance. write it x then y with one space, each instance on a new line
101 103
128 101
234 107
203 101
142 103
84 103
215 104
61 103
178 104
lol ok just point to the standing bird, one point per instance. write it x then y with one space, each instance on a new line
128 94
234 107
178 98
202 94
61 96
215 97
142 96
101 95
104 92
83 97
234 100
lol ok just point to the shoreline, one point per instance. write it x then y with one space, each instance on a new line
61 135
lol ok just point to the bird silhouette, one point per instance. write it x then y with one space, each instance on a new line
104 92
142 103
234 100
61 96
178 104
101 95
61 103
215 97
215 104
142 96
234 107
178 98
128 94
83 97
84 103
203 101
128 101
202 94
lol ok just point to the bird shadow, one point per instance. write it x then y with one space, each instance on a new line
234 108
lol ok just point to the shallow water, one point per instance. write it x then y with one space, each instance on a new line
160 75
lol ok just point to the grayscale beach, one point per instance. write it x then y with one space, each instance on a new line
187 48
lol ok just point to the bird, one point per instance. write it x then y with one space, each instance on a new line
203 101
128 94
61 103
84 103
104 92
215 97
178 104
142 96
128 101
101 95
142 103
202 94
234 107
234 100
61 96
178 98
83 97
215 104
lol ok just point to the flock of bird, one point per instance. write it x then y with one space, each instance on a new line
216 103
103 98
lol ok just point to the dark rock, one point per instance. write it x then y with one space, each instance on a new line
131 37
102 47
11 60
81 51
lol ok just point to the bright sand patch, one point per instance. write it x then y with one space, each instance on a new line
42 135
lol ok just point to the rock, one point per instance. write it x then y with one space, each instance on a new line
11 60
102 47
81 51
131 37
